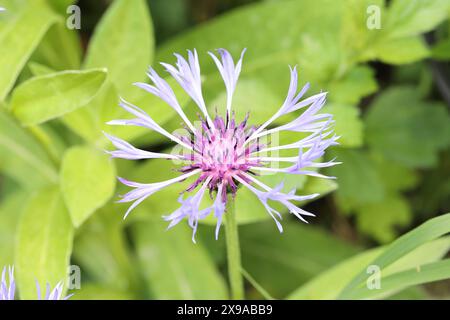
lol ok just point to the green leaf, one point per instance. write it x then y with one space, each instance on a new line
10 209
401 51
411 17
381 219
19 38
60 49
426 273
38 69
44 243
274 46
300 253
358 179
173 267
348 124
330 283
22 157
51 96
430 230
358 82
405 129
395 177
123 42
87 181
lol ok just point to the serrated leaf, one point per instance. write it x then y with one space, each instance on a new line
87 181
348 124
44 243
381 219
50 96
358 180
358 82
405 129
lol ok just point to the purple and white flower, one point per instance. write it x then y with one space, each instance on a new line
222 153
8 285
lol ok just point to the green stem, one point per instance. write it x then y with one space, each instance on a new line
233 252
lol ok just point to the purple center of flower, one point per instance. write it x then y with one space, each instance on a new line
221 153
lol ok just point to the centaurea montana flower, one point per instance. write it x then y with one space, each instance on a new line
222 153
7 287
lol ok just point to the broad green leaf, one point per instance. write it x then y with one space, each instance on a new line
300 253
430 230
173 267
44 243
38 69
60 49
380 220
348 124
330 283
87 181
19 38
401 51
406 129
411 17
51 96
10 208
123 42
22 157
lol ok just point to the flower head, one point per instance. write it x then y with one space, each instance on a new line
223 153
7 288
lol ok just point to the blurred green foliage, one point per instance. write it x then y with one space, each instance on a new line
389 92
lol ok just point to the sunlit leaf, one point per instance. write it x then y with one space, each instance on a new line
44 243
87 181
50 96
